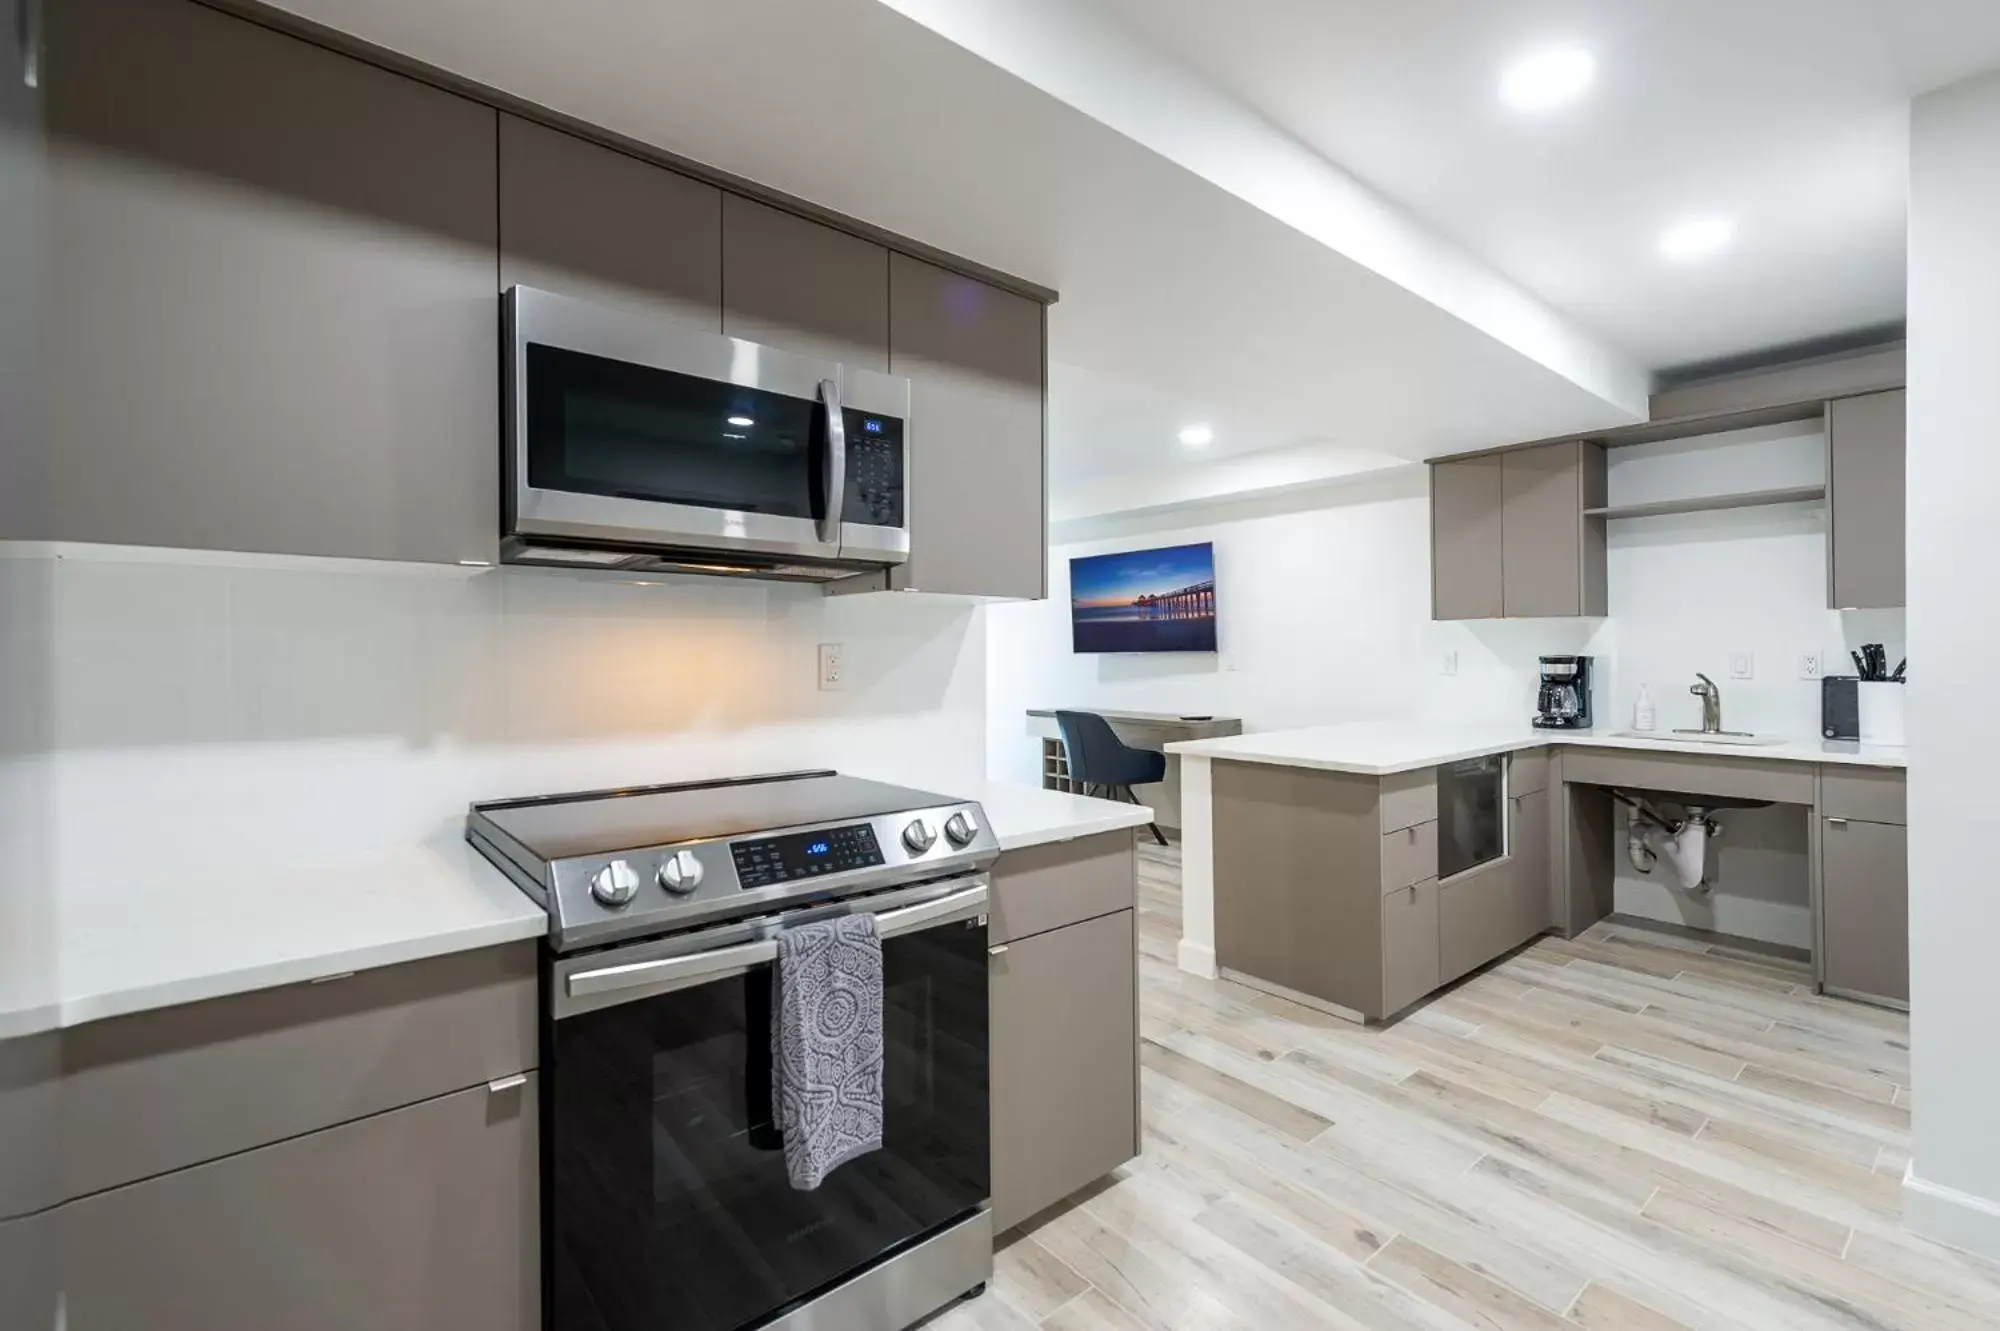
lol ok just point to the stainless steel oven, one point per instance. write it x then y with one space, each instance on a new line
632 441
666 1199
670 1202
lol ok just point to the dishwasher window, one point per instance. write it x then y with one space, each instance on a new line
1472 818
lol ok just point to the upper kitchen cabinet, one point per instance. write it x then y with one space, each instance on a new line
1865 438
1552 557
976 358
1465 539
273 314
583 220
802 286
1509 538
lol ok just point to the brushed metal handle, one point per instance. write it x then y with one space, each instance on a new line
502 1085
1836 822
836 460
996 951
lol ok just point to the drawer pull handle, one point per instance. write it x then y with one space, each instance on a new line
1836 822
996 951
502 1085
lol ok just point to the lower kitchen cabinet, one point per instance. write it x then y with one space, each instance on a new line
1484 913
1865 903
422 1217
1409 944
1064 1039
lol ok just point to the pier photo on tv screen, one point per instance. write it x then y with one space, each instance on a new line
1144 600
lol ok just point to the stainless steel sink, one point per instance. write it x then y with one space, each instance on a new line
1737 738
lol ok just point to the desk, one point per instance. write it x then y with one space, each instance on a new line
1141 730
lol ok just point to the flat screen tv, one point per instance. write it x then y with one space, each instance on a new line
1144 600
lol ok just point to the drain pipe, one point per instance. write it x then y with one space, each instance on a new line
1682 842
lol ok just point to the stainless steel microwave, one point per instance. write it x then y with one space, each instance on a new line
637 444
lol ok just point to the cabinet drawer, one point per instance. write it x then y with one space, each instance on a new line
1485 914
1409 798
1047 887
1065 1063
1409 856
427 1216
1409 945
159 1091
1746 778
1873 795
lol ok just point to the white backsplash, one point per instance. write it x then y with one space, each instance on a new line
211 709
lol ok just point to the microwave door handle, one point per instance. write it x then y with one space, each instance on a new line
835 470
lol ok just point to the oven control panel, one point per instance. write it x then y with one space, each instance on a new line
768 861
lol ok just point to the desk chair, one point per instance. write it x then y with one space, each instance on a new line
1097 757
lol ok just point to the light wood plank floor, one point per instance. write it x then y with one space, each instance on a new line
1626 1131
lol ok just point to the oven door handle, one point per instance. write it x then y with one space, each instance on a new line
670 973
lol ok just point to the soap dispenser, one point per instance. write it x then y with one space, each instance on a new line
1642 710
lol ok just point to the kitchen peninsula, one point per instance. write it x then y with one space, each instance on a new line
1361 867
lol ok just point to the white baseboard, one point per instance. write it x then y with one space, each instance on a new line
1197 959
1946 1215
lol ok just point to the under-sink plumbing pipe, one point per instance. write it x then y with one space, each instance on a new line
1651 837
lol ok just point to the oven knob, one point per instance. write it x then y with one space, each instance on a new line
919 837
961 827
681 874
615 884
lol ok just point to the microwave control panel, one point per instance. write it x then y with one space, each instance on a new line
874 468
768 861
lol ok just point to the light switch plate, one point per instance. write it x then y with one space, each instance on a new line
832 666
1451 663
1743 665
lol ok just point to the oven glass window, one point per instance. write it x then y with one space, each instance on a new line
669 1202
605 427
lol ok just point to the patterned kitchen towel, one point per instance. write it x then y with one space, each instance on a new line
826 1045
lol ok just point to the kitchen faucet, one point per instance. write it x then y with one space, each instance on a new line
1711 704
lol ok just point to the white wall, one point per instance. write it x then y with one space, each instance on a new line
234 709
1953 1191
1323 615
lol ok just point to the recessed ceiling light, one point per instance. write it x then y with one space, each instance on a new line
743 421
1197 436
1547 79
1697 237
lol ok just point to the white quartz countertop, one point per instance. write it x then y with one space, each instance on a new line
183 940
1378 748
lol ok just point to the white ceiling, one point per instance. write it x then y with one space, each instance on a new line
1790 115
1181 300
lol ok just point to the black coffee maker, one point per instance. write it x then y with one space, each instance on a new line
1563 701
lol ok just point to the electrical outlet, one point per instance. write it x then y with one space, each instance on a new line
1451 663
1809 665
832 666
1742 665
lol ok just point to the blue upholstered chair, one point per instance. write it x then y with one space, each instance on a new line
1097 757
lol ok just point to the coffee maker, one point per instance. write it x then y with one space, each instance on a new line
1563 701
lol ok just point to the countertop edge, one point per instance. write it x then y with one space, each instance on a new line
1133 816
79 1010
1230 750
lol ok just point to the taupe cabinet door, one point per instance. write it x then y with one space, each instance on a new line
1465 539
272 295
1065 1063
1866 445
1865 897
1409 945
1484 913
802 286
1529 839
421 1217
1543 533
975 356
584 220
